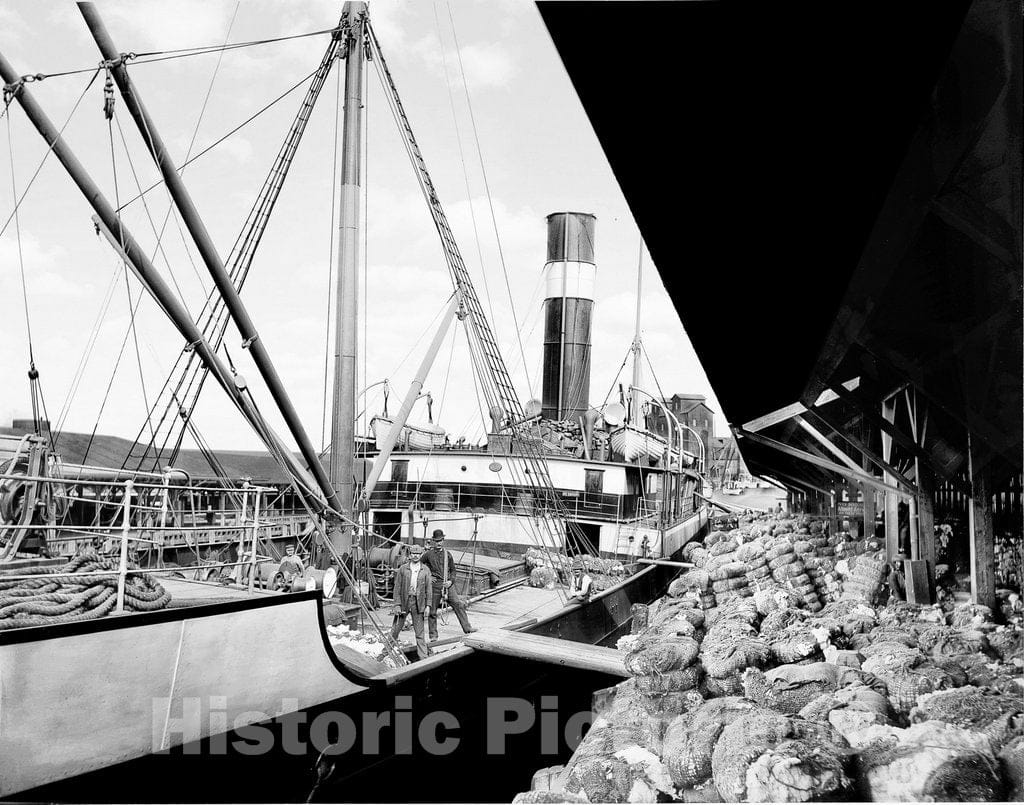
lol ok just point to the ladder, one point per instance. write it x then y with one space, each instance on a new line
496 383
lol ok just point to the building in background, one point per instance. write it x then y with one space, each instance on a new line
725 462
691 410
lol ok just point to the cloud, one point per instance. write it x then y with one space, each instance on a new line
238 148
484 65
44 276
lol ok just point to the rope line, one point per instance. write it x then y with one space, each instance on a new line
221 139
7 100
155 56
490 201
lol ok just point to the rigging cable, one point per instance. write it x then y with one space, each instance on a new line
487 189
108 109
221 139
33 373
9 93
166 55
120 236
462 158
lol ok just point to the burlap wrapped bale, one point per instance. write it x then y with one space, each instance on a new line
927 762
1011 759
752 553
692 580
850 709
950 641
781 572
659 654
779 548
690 548
640 616
790 688
970 615
907 684
543 578
729 650
728 570
703 793
690 739
676 609
729 685
630 774
780 562
778 620
796 771
796 642
996 715
745 743
727 545
1007 644
887 655
670 681
730 584
770 596
544 797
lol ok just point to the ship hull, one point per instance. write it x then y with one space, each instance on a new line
135 686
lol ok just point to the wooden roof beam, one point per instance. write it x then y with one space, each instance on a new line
839 469
792 410
857 444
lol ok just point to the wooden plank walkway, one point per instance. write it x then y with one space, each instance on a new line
548 649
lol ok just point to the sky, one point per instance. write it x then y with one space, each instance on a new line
504 136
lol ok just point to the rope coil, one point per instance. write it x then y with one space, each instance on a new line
75 592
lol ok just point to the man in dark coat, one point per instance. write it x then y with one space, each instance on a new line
414 593
442 571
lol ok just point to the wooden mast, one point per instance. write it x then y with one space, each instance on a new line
342 467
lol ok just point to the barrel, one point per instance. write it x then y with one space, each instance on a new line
444 500
313 579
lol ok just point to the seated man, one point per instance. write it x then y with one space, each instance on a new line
579 584
897 581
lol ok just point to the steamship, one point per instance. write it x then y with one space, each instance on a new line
556 479
625 488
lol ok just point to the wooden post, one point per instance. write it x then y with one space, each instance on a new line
892 528
926 514
868 527
979 518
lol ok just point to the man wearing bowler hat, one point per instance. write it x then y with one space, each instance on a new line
442 571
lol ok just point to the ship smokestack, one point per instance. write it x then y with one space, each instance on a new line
570 271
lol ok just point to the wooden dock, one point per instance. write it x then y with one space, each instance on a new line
548 649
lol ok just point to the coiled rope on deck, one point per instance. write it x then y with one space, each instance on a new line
83 589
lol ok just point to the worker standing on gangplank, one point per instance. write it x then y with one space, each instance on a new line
442 570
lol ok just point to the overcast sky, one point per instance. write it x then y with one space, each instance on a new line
539 152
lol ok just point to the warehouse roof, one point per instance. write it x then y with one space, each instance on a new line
853 173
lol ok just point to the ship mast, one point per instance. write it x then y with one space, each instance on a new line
634 405
342 467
